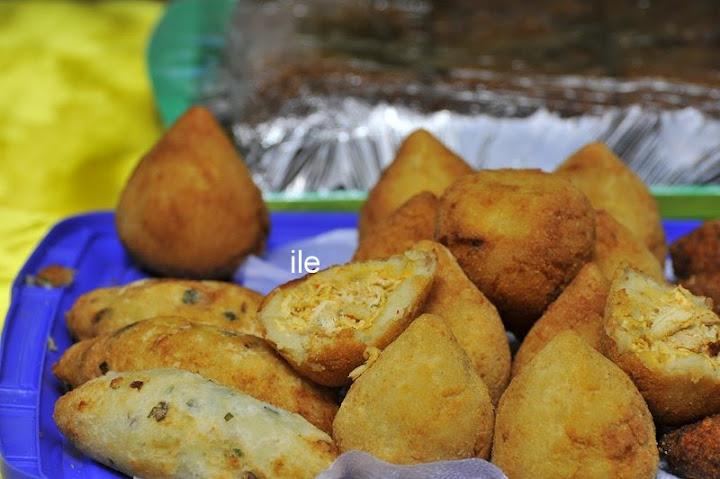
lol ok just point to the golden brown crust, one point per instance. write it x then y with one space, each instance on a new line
693 451
422 163
473 320
420 401
579 308
413 221
617 247
104 310
242 362
614 187
697 252
571 413
190 208
519 235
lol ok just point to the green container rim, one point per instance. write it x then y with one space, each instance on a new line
188 41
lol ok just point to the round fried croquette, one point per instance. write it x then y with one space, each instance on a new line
615 188
616 248
579 308
412 222
570 414
698 251
692 451
420 401
190 208
422 163
520 235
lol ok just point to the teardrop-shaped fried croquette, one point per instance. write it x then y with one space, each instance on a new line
612 186
413 221
617 248
520 235
668 341
422 163
572 413
579 308
420 401
323 323
239 361
473 320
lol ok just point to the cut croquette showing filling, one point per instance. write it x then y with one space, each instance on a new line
665 324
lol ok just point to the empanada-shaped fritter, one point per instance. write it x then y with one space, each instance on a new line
668 341
173 424
323 323
225 305
420 401
570 414
239 361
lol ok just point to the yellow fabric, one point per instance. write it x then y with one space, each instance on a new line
76 112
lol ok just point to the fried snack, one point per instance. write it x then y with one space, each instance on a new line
422 163
617 247
225 305
692 451
323 323
473 320
410 223
239 361
579 309
190 208
705 284
173 424
668 341
520 235
698 251
615 188
571 413
420 401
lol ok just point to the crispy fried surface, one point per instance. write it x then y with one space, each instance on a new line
242 362
697 252
667 340
617 247
421 401
693 451
705 284
172 424
571 413
323 323
473 320
422 163
413 221
190 208
225 305
519 235
579 308
613 187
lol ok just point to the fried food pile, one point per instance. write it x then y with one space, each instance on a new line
404 351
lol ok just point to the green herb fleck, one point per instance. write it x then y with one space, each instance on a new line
159 411
104 368
238 452
228 417
230 316
191 296
191 403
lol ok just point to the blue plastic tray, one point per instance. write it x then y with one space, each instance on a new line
30 444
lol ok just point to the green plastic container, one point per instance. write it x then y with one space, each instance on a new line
188 42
